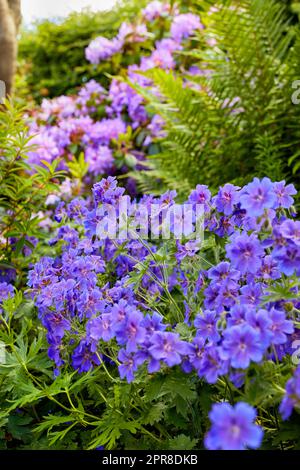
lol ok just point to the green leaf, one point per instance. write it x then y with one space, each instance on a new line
182 442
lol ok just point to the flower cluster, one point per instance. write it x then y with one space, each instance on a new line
155 10
182 27
102 300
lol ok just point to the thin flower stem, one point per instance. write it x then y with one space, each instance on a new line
159 283
105 368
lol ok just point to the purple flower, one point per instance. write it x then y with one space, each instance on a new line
241 345
195 357
42 274
102 48
87 245
106 191
90 302
237 315
96 286
280 326
83 358
292 395
237 378
143 355
233 428
137 111
284 195
258 196
130 331
245 253
199 283
162 56
168 44
260 321
184 26
6 291
269 269
99 158
128 365
76 209
69 235
251 294
189 249
153 323
290 230
202 196
54 351
60 212
212 365
210 295
206 325
287 258
89 96
102 132
155 9
227 198
156 128
224 227
101 328
132 33
223 271
168 347
57 324
259 224
227 294
7 275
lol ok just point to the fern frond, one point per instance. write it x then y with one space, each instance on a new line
239 120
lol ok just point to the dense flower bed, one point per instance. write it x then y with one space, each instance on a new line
206 306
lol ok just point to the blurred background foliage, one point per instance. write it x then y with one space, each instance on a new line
253 68
51 54
51 58
238 120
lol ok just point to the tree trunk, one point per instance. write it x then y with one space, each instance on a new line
10 19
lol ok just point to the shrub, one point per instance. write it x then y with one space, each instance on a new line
22 195
100 130
51 56
237 114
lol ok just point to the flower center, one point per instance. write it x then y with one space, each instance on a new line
235 431
167 347
132 329
259 196
247 253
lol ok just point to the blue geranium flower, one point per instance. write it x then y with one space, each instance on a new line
233 428
258 196
241 345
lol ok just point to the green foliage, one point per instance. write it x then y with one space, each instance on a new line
209 141
236 120
51 56
22 193
87 411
